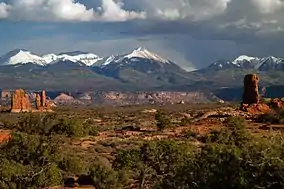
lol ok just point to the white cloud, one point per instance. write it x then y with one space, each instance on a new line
68 10
113 11
4 10
268 6
192 9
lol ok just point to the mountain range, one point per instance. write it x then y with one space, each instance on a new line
136 70
246 62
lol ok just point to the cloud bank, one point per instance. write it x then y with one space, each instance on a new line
193 28
66 10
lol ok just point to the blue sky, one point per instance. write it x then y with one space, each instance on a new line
192 33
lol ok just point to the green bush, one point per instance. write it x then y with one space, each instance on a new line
190 134
72 165
259 164
70 127
104 177
161 121
270 118
185 121
154 160
30 161
49 124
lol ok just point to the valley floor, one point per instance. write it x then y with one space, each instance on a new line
105 144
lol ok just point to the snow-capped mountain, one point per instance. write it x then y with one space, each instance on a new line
144 53
23 57
89 59
20 56
139 59
248 62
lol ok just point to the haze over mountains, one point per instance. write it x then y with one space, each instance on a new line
136 70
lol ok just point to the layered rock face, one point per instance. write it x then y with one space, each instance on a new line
21 102
251 95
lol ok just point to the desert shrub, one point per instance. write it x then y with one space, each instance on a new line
270 118
47 176
93 131
70 127
32 149
234 133
128 159
104 177
30 161
190 134
235 123
49 124
259 164
276 117
35 123
10 172
72 165
185 121
153 160
162 121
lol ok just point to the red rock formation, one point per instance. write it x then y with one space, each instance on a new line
20 101
251 99
256 109
41 103
38 101
43 99
251 95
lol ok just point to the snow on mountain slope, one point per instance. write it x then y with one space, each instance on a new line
248 62
144 53
244 58
21 57
88 59
24 57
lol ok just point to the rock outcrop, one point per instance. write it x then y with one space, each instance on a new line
20 102
251 98
41 103
251 95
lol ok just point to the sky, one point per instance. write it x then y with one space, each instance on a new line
191 33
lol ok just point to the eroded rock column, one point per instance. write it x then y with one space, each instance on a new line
20 101
251 95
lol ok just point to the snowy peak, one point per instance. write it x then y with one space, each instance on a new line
20 56
272 59
249 62
142 52
137 56
243 58
88 59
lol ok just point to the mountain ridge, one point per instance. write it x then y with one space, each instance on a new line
22 56
248 62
